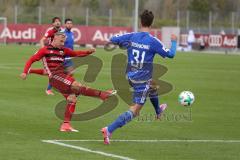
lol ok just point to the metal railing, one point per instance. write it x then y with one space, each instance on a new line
211 22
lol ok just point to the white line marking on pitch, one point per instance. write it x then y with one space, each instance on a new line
87 150
60 142
156 140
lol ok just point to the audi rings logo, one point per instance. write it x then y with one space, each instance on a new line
77 34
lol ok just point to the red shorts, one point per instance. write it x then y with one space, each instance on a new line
62 82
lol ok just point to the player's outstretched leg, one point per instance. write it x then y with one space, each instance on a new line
158 108
153 96
122 120
80 89
70 108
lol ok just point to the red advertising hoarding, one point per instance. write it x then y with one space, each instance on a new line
220 41
32 33
99 35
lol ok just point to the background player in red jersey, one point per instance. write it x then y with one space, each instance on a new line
53 59
49 35
46 40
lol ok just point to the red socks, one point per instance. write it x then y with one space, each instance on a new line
89 92
70 108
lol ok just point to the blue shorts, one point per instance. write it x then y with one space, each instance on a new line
68 62
140 91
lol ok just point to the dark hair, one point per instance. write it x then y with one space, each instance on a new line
55 18
68 19
146 18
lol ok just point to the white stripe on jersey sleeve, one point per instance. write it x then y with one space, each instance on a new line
117 35
163 46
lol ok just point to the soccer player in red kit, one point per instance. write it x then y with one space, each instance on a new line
48 36
53 58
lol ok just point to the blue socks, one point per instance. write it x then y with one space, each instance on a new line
155 102
121 121
49 87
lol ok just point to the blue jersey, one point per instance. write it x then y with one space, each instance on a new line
69 39
69 44
141 49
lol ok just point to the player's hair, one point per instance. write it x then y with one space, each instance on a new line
68 19
55 18
146 18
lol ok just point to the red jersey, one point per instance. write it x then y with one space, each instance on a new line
53 58
50 34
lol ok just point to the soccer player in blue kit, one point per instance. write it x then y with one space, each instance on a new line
69 43
141 49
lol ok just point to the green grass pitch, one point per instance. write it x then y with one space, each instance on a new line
27 115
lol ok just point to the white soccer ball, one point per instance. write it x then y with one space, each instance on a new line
186 98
